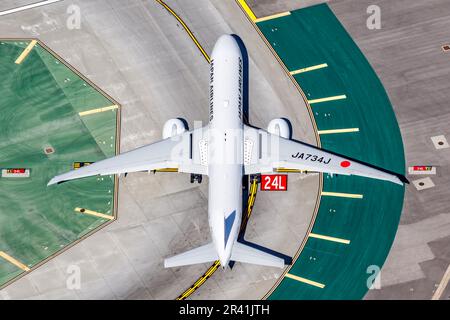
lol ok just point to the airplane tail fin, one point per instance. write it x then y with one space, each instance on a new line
206 253
244 253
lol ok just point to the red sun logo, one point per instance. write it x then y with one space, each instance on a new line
345 164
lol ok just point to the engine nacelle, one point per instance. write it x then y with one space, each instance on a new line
280 127
173 127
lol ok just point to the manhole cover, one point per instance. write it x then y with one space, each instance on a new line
422 184
440 142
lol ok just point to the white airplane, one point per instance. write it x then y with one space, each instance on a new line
225 150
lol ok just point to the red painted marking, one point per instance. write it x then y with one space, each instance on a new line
422 168
18 170
345 164
273 182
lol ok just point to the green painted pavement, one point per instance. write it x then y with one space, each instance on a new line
314 36
39 104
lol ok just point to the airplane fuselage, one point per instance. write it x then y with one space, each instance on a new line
225 145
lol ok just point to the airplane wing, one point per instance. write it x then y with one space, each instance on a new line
182 152
265 153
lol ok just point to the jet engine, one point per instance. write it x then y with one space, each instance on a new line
173 127
280 127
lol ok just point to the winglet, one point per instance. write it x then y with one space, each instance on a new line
403 179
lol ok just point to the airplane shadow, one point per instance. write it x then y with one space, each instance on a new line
245 65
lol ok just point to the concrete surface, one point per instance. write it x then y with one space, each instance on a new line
119 49
263 8
138 53
407 56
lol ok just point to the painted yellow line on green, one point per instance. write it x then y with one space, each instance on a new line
14 261
98 110
347 130
312 68
247 9
333 239
273 16
307 281
442 285
333 98
25 52
342 195
94 213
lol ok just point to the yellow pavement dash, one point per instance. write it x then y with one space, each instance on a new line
319 236
94 213
442 285
312 68
273 16
15 262
93 111
333 98
25 52
348 130
342 195
247 10
310 282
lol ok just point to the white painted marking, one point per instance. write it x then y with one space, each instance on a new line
29 6
440 142
422 184
421 170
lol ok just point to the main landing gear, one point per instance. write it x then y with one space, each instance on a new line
196 177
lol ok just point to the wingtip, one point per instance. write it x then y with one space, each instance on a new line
53 181
400 179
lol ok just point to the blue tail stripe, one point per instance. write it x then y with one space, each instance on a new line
229 221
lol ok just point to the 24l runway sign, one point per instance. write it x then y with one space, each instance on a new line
274 182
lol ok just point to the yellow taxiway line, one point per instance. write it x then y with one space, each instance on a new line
25 52
347 130
333 239
333 98
216 264
15 262
300 279
442 285
312 68
94 213
273 16
189 32
98 110
247 9
342 195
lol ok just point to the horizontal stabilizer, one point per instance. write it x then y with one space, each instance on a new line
247 254
206 253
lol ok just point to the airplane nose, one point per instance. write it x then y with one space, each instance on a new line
226 45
